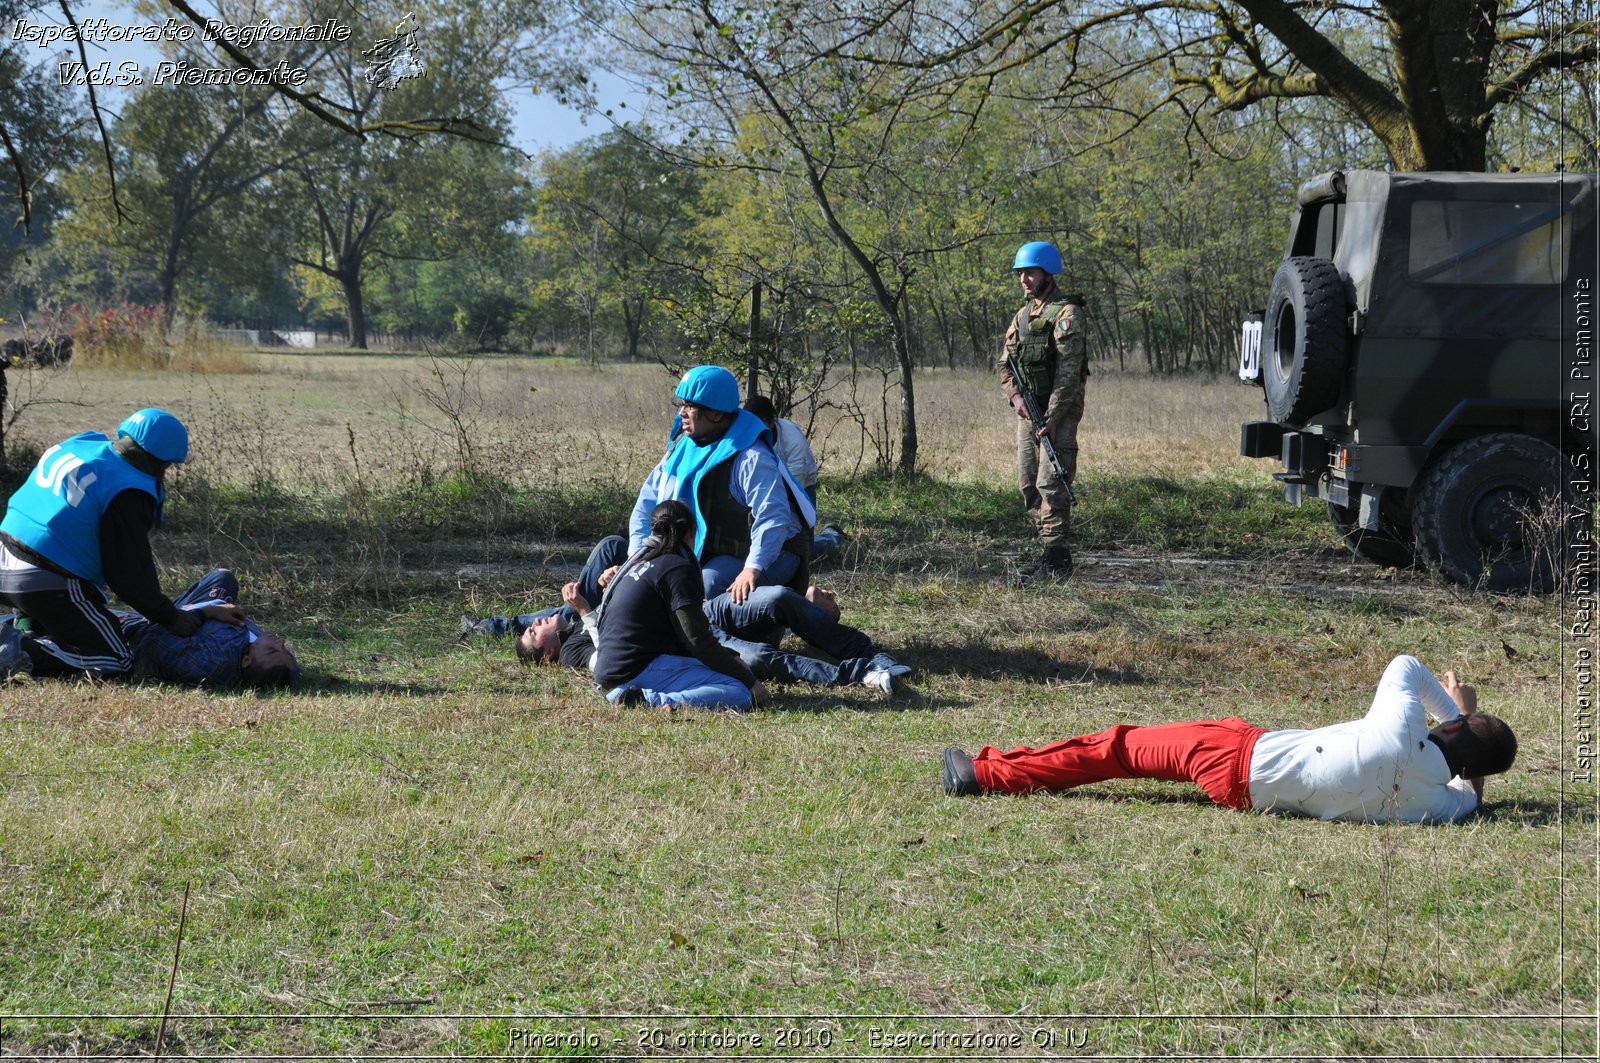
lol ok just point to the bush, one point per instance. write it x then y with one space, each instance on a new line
128 336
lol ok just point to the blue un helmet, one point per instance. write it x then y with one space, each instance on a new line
710 386
1039 253
158 433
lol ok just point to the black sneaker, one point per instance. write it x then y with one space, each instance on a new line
959 778
632 697
13 658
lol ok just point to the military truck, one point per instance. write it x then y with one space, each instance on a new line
1414 357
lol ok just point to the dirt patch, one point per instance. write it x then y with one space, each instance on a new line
1306 574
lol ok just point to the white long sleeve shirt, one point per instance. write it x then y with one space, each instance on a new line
1377 769
795 450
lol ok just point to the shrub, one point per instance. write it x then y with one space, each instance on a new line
128 336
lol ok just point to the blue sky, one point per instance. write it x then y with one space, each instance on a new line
540 123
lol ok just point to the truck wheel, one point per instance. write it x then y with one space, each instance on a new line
1302 339
1392 545
1482 513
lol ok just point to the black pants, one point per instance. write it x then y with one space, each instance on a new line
74 629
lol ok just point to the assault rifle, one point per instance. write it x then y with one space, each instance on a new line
1036 415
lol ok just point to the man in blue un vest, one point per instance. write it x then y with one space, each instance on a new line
750 513
81 523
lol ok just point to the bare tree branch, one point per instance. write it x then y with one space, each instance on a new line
94 106
24 188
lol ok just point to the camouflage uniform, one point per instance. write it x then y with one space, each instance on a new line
1047 339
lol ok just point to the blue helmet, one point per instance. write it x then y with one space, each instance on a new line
158 434
1041 254
710 386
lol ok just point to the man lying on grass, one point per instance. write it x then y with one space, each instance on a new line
217 654
1387 766
751 629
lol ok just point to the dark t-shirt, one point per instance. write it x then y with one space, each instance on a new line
576 646
637 626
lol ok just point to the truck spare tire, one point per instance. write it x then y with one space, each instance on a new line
1303 339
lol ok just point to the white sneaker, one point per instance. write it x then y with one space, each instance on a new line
883 662
878 679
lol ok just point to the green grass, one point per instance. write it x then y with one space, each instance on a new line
428 831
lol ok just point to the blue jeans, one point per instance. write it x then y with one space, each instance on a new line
218 586
610 551
826 542
720 571
769 610
768 663
672 680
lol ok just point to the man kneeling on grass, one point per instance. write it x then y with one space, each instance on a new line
653 646
1387 766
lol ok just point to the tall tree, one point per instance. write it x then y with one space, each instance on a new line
352 191
612 214
784 93
1427 77
187 152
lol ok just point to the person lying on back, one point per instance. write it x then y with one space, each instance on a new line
1386 766
216 654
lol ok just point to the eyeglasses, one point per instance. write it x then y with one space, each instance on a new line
690 407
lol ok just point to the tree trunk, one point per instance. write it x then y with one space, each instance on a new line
355 310
752 378
908 406
633 312
167 281
167 275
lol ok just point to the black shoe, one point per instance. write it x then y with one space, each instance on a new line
959 778
1054 565
13 658
1034 573
632 697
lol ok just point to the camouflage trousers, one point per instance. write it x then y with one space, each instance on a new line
1042 490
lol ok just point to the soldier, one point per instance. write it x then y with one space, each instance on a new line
1046 339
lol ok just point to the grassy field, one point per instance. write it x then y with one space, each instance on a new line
430 850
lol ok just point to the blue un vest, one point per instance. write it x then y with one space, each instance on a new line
688 464
57 512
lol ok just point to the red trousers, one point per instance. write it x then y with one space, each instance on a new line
1215 754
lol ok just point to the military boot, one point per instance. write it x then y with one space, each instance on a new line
1058 558
1056 563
